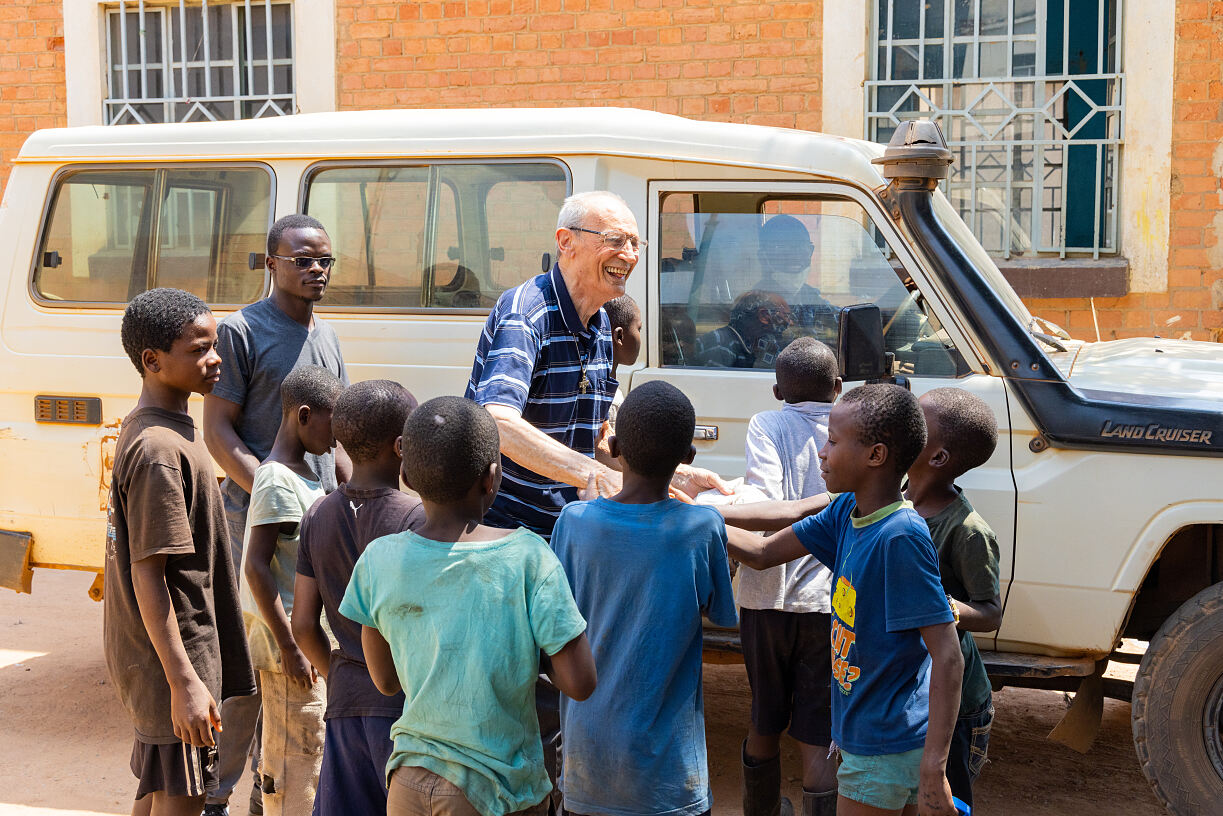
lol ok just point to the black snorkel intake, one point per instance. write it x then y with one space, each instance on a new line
916 159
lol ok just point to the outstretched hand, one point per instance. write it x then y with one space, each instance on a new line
693 480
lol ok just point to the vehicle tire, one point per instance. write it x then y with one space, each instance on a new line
1178 708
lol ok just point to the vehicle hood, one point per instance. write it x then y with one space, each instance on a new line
1152 368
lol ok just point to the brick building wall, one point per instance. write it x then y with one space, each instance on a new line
730 60
1193 302
33 92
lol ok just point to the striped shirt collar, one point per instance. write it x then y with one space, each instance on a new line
569 312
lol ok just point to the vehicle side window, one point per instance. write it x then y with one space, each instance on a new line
112 234
744 274
446 236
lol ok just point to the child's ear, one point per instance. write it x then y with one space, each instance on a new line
687 460
777 393
491 480
150 361
618 335
613 446
399 446
940 458
836 390
303 414
878 455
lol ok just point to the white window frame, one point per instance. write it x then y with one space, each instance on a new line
314 47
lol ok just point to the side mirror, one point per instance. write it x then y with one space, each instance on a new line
860 344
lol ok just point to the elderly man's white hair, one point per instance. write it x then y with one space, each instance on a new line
577 207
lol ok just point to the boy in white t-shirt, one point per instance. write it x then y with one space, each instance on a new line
294 696
785 611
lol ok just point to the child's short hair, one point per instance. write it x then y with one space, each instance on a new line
155 319
448 444
807 371
969 428
621 311
370 414
890 414
290 222
309 385
654 428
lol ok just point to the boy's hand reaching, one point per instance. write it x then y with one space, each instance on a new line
194 713
934 794
297 668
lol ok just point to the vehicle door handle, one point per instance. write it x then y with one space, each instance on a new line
706 432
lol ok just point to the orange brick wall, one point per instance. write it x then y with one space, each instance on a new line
33 94
1193 303
733 60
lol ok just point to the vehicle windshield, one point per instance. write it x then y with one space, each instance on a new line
984 264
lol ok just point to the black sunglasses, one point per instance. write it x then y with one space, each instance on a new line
306 262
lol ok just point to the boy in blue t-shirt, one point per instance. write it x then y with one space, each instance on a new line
455 614
637 746
896 662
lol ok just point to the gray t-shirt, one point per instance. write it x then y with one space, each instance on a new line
783 461
259 346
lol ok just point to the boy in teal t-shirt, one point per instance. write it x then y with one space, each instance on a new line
455 614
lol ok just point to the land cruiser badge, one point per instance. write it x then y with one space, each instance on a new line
1156 433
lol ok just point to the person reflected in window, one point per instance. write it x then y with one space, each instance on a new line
753 336
785 260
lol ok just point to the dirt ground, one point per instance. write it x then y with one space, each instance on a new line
65 740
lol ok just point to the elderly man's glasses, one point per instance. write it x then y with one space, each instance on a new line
615 239
306 262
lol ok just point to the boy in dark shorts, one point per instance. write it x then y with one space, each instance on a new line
644 568
367 420
455 614
896 662
785 611
172 625
962 433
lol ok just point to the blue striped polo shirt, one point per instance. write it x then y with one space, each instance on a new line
530 359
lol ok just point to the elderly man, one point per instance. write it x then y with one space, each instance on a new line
543 370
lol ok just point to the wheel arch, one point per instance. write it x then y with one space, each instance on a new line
1179 554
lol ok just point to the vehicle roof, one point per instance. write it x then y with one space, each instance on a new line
461 133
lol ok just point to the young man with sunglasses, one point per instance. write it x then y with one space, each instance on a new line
260 345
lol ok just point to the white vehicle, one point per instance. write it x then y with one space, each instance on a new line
1106 490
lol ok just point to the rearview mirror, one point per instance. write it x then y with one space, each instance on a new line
860 344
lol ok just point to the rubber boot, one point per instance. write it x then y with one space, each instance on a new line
820 804
762 787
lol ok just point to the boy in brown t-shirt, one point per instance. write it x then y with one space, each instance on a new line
172 625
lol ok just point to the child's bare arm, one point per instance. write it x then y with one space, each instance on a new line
980 616
307 623
946 678
772 515
762 552
379 661
573 669
258 571
193 712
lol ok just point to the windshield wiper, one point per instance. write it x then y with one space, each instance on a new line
1047 339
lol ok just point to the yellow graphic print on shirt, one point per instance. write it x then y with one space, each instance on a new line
844 606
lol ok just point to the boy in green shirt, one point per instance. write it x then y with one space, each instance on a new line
962 433
455 614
